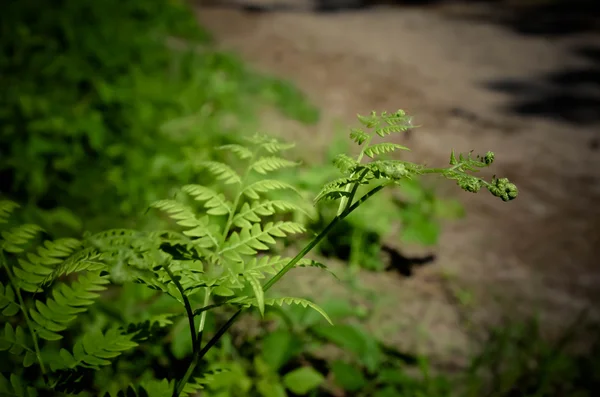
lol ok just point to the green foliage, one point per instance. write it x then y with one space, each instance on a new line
224 245
107 99
414 207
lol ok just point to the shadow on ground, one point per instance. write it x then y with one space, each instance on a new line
571 95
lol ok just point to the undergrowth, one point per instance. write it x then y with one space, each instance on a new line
101 99
221 258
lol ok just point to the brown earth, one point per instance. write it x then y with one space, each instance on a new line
537 254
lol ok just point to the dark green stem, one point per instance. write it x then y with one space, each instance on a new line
186 303
24 311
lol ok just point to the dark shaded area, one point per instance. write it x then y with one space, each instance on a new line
571 95
543 17
405 264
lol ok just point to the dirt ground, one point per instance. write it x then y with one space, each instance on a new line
472 85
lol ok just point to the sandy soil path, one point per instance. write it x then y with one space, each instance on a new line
457 76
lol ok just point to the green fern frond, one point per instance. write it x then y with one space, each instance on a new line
16 387
207 378
270 144
269 164
216 203
390 129
53 259
7 207
68 300
345 163
381 148
14 239
8 301
272 264
221 171
164 387
264 186
241 151
250 214
395 122
358 135
94 350
249 240
16 342
334 190
206 234
259 294
147 388
288 301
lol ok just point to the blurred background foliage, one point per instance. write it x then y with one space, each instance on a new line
102 101
105 106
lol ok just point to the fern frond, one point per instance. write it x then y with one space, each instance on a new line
273 264
241 151
395 122
289 301
345 163
93 350
207 378
269 144
216 203
13 239
8 301
164 387
264 186
358 135
335 189
16 342
53 259
16 387
205 233
268 164
387 130
6 209
221 171
249 240
146 329
250 214
68 300
381 148
259 294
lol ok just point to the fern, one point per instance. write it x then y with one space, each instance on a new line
218 255
94 350
37 305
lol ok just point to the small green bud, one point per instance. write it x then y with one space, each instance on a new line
488 158
453 160
504 189
472 185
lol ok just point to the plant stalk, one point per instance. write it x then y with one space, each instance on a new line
24 310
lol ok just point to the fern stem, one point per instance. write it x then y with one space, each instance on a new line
203 316
346 201
197 357
236 202
24 310
186 303
319 237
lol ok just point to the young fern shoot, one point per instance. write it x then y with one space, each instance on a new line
223 242
236 246
392 172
